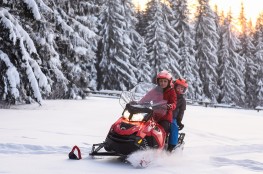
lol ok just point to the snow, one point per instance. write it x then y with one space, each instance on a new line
34 8
259 108
12 74
37 139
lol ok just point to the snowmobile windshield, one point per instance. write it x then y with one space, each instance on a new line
146 95
143 93
136 93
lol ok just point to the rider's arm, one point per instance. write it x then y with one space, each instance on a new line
172 100
182 108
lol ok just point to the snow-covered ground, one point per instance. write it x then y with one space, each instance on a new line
37 139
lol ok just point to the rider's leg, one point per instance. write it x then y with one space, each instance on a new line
173 138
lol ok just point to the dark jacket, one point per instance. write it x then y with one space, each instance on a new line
178 113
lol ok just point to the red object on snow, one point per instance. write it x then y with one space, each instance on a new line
72 155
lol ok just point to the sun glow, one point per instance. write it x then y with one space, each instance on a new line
140 4
252 7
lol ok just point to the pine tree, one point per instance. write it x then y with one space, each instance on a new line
143 65
23 77
172 41
246 51
230 79
160 40
115 70
259 60
188 65
155 37
206 46
137 44
142 22
76 45
56 45
44 38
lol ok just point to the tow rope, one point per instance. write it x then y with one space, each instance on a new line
72 155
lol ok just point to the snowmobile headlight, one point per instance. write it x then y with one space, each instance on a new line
134 117
138 117
126 114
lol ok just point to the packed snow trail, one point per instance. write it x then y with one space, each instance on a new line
33 138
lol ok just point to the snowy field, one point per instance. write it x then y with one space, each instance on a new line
38 139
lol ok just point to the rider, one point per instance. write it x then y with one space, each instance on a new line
164 80
163 92
180 86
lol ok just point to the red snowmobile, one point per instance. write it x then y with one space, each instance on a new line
137 128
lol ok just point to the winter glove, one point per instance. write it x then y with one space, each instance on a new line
169 106
179 124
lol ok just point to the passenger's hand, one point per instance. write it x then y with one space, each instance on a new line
180 126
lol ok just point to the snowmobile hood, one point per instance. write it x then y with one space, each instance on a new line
123 127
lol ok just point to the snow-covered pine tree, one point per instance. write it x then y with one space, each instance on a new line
115 70
160 41
206 40
58 43
137 43
143 64
76 45
44 35
230 80
155 37
23 77
258 39
142 22
188 65
172 41
247 52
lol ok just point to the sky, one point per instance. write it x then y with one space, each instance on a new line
252 7
37 139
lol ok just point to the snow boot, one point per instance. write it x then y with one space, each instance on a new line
170 148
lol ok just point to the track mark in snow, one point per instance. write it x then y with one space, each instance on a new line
213 136
11 148
232 150
28 138
250 164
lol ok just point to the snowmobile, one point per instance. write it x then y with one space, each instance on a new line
137 128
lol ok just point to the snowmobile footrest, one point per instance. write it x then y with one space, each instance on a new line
97 147
103 154
181 138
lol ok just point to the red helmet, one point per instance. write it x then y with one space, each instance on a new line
164 75
181 82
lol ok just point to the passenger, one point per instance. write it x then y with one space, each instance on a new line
180 86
